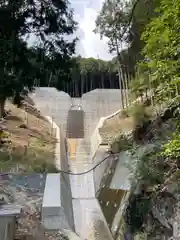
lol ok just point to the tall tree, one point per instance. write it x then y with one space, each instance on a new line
112 23
161 50
50 22
144 11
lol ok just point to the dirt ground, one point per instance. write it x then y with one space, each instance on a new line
30 141
121 123
113 126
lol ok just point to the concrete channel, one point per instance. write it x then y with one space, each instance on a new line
75 201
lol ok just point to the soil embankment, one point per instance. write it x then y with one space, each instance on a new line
27 139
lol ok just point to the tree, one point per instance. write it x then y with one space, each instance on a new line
112 23
162 50
142 15
88 74
49 22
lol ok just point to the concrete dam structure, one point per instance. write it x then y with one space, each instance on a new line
95 104
76 205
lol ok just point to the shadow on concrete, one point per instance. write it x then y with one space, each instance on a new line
75 124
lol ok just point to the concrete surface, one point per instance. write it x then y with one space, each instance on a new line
53 103
97 103
7 228
7 221
75 124
57 205
101 169
121 177
89 221
52 196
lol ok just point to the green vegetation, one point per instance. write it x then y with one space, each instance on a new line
22 66
152 39
149 65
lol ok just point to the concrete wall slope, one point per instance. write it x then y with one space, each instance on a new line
98 103
53 103
59 186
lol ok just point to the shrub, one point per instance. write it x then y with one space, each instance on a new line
139 114
120 143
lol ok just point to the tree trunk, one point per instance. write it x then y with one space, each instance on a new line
102 81
120 86
86 83
82 84
91 80
110 81
2 106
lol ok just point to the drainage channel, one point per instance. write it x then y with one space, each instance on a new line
89 219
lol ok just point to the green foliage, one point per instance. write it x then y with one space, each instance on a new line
172 148
143 13
162 50
121 143
141 236
20 66
140 114
112 22
124 113
151 169
88 74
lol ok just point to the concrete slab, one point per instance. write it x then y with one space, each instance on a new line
82 186
55 223
57 204
121 176
90 223
52 196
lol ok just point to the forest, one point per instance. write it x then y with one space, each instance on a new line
149 65
146 64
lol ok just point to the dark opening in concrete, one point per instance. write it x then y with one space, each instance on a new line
75 124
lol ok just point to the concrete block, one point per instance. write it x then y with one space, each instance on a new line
52 196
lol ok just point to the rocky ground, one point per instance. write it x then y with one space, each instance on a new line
26 191
26 147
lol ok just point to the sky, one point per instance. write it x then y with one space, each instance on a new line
90 44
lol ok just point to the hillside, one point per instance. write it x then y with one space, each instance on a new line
28 140
152 206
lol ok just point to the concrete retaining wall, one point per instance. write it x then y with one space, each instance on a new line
96 139
103 168
98 152
7 227
98 103
53 103
58 184
54 207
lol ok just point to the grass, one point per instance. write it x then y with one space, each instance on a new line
31 141
115 125
123 122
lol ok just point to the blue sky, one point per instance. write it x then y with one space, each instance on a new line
90 44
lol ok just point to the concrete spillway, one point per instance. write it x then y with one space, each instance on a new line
78 126
95 104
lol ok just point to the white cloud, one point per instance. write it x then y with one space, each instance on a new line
90 44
